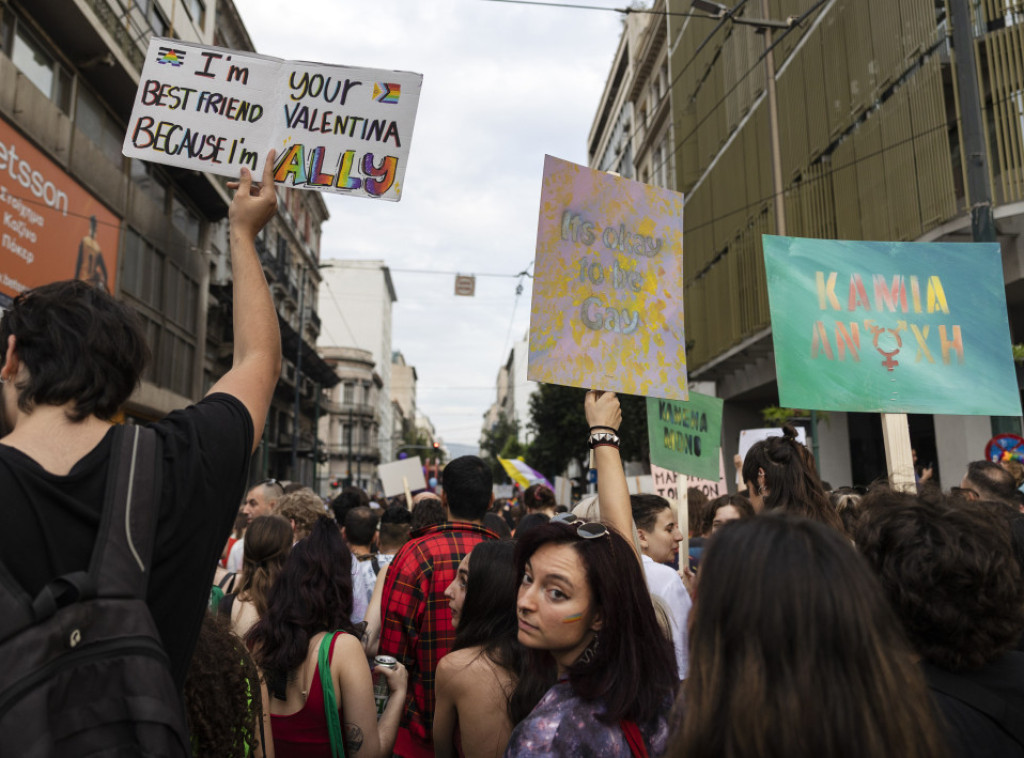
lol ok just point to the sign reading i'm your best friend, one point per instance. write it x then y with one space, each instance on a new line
686 437
894 327
335 128
608 284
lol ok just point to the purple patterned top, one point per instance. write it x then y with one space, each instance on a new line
564 724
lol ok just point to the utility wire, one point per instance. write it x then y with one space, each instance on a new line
626 11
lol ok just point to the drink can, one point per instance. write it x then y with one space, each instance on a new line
381 691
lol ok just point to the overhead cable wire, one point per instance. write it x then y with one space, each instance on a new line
625 11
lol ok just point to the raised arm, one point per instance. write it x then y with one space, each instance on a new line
256 363
602 409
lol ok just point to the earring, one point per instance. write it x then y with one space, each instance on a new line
587 656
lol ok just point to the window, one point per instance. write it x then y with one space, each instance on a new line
149 180
197 10
159 22
349 389
94 122
185 220
41 68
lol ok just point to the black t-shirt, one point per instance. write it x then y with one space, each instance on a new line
48 523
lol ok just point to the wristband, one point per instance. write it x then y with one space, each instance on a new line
611 429
598 439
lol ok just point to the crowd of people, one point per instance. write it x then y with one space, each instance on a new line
146 613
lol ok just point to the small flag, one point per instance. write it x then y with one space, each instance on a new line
170 55
384 92
522 474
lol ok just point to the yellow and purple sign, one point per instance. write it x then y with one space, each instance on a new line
608 284
895 327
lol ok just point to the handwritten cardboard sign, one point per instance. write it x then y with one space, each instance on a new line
666 483
896 327
686 436
608 284
335 128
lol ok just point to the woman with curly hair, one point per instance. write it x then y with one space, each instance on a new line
267 542
308 618
224 697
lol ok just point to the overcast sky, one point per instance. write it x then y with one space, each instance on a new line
503 84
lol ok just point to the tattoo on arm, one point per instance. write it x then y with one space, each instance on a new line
353 738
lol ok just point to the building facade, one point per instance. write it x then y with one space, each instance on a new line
870 148
350 422
357 299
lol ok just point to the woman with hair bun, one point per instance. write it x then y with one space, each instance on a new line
267 543
539 499
779 473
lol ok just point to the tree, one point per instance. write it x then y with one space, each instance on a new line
560 429
498 441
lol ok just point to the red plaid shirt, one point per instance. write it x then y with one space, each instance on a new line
417 622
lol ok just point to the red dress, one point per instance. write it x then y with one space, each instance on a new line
303 734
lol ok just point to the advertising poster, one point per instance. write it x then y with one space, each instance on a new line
686 436
53 228
607 308
893 327
335 128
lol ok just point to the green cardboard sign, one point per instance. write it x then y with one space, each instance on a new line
686 436
893 327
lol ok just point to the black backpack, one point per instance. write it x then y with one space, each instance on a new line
84 672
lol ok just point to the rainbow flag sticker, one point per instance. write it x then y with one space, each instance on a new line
170 55
386 92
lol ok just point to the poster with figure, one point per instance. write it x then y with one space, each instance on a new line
607 307
335 128
686 436
894 327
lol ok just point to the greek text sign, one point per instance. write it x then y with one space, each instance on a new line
608 283
897 327
686 437
335 128
666 483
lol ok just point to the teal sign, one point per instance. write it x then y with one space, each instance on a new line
897 327
685 435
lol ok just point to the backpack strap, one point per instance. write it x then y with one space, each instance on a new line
375 563
121 560
977 697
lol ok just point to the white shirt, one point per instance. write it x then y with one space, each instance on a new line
664 582
236 555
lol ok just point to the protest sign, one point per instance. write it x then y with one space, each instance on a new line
608 284
666 482
686 436
396 476
748 437
53 228
335 128
896 327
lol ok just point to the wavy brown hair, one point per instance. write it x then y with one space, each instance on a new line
267 542
223 700
794 651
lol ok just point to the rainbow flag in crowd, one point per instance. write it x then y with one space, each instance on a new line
522 474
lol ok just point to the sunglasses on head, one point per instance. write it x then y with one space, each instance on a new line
588 530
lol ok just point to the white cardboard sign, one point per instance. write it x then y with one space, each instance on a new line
665 482
335 128
396 475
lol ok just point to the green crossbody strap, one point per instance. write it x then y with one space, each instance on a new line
330 699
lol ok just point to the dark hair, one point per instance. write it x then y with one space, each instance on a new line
646 509
347 499
361 525
790 480
79 345
950 572
488 616
633 670
427 512
313 594
223 700
991 481
794 651
538 497
268 540
395 523
739 502
467 486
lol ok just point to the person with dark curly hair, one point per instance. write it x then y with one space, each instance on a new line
950 572
779 474
310 606
224 697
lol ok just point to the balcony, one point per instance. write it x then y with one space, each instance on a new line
365 452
